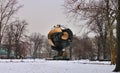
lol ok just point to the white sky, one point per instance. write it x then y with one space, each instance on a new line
42 15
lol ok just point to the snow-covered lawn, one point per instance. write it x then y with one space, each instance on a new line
45 66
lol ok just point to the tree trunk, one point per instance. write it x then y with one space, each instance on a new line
35 53
9 44
9 50
105 51
0 32
17 50
117 68
112 49
98 52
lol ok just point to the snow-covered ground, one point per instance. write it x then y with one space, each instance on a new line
52 66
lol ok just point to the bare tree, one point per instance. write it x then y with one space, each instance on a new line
19 28
9 39
110 22
94 11
14 37
117 68
76 51
48 48
7 9
24 46
29 47
82 48
36 38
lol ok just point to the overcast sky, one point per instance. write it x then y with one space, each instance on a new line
42 15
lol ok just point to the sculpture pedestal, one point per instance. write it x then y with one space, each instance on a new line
60 58
62 55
